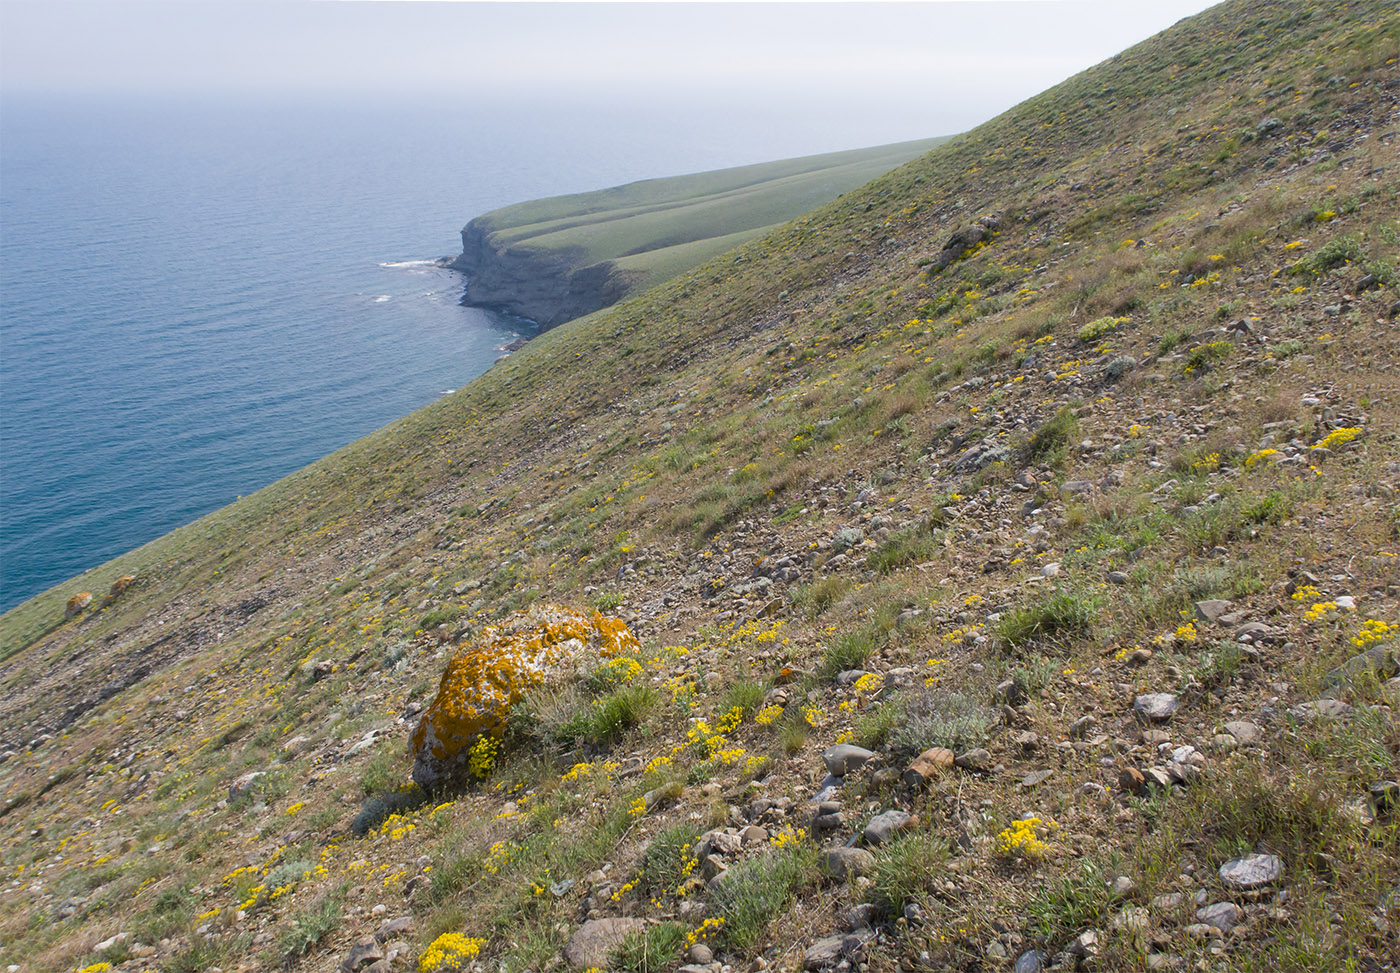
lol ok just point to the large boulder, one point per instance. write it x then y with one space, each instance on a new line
490 674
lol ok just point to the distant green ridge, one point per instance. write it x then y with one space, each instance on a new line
555 259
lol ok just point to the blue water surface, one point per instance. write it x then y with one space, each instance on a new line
198 297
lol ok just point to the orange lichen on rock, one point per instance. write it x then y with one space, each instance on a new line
119 587
491 673
78 602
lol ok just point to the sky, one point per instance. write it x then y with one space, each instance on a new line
975 58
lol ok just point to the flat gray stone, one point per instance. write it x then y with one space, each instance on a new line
365 951
1251 871
1223 915
1157 707
1030 962
593 942
1212 608
823 953
844 758
1246 734
885 826
847 863
977 760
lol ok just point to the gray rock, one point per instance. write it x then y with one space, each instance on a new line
1251 871
844 758
1223 915
1168 902
593 942
1134 918
885 826
823 953
1211 609
1246 734
847 863
1030 962
1117 577
1156 707
243 785
846 538
365 951
701 954
1379 659
977 760
1322 710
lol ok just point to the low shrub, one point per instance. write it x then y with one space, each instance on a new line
1050 442
848 651
1062 617
934 717
906 870
654 948
755 890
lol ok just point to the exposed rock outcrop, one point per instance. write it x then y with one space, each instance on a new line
546 286
489 675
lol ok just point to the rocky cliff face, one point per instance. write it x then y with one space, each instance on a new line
544 286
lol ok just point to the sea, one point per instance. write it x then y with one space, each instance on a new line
199 296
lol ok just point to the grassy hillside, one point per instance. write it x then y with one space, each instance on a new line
1102 501
655 214
557 258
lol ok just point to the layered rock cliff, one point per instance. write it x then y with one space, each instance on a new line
543 285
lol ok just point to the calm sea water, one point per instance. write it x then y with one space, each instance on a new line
200 298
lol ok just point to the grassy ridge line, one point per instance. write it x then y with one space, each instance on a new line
657 213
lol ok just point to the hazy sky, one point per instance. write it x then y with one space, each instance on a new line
976 57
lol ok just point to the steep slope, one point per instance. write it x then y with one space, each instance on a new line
1100 498
552 260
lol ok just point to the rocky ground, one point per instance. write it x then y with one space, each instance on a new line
1012 548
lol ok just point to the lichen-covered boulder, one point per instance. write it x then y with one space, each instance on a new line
77 603
119 587
490 674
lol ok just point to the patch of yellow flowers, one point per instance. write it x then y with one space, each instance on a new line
449 952
1022 839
